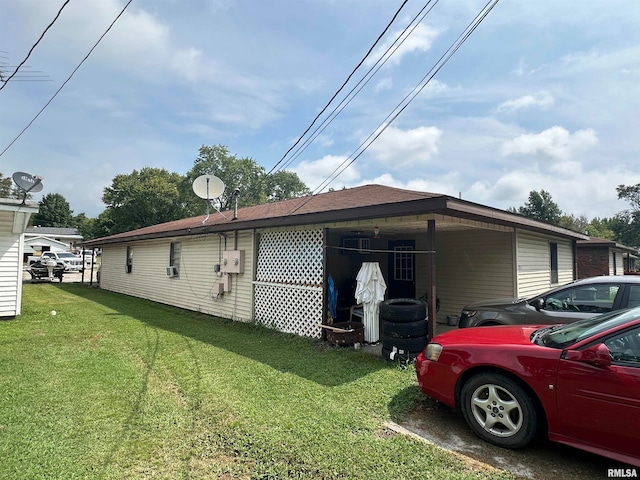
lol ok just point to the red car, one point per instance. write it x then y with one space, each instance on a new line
579 382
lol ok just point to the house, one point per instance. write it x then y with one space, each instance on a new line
50 239
270 263
598 256
14 217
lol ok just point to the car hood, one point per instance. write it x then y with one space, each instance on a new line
496 303
495 335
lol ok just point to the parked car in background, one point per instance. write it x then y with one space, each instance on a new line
568 303
72 263
579 383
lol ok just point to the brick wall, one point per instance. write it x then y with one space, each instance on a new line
593 261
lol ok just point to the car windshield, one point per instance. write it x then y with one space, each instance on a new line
66 255
561 336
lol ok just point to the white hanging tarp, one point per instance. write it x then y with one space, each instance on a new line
370 289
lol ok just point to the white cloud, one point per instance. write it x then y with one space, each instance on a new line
419 40
382 85
541 100
314 172
555 142
399 148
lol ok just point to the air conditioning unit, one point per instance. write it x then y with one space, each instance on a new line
172 271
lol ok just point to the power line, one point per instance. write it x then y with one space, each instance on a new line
411 95
404 103
393 47
341 87
67 80
35 45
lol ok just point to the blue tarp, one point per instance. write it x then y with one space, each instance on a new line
333 298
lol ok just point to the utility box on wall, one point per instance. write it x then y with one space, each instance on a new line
233 261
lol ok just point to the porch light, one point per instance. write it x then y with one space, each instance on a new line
376 231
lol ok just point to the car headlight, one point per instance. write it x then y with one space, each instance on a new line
469 313
433 351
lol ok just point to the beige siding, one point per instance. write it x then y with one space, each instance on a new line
196 286
10 267
534 263
616 266
471 265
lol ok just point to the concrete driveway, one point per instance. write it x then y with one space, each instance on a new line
438 424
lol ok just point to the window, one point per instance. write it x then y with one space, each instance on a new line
403 263
594 298
129 264
174 257
553 253
634 296
625 347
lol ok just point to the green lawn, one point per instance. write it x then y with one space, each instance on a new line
117 387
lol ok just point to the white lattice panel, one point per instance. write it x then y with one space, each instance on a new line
291 257
289 309
289 276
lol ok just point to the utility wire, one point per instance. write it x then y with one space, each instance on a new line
390 51
406 101
340 89
67 80
411 95
4 84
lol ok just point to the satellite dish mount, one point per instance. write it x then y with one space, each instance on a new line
210 188
27 183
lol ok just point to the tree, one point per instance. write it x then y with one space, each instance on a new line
54 211
541 207
626 224
600 227
5 186
244 174
142 198
9 190
577 224
284 185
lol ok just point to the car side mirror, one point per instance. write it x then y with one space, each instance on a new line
538 304
597 355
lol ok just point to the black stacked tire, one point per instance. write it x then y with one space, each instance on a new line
404 327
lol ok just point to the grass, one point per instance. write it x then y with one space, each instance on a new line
117 387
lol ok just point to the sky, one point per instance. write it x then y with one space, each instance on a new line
543 95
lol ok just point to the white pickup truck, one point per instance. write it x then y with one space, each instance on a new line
72 263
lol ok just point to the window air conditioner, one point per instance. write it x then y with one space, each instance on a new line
172 271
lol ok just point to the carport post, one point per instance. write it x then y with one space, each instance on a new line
431 277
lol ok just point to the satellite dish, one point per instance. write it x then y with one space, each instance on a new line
27 183
208 187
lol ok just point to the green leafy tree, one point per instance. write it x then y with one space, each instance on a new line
9 190
577 224
85 225
626 224
53 211
540 206
5 186
244 174
600 227
142 198
284 185
103 225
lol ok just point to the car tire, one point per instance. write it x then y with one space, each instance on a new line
499 411
405 329
405 344
387 352
403 310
